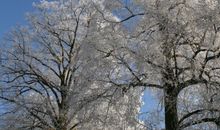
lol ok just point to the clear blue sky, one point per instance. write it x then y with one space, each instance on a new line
12 12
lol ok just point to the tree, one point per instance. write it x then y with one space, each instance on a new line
174 48
52 75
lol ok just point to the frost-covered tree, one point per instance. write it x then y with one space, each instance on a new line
173 47
53 77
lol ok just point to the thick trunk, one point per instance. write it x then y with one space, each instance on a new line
218 125
63 111
61 128
171 115
61 125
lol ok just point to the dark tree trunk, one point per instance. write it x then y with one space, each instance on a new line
218 124
63 111
61 128
171 115
61 122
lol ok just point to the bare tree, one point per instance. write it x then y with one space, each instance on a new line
174 48
51 72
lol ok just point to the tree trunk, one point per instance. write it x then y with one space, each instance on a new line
61 128
61 125
63 112
171 115
218 125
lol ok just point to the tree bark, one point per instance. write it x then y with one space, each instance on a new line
61 128
63 111
61 125
171 115
218 125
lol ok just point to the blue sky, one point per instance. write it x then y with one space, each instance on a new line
12 12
